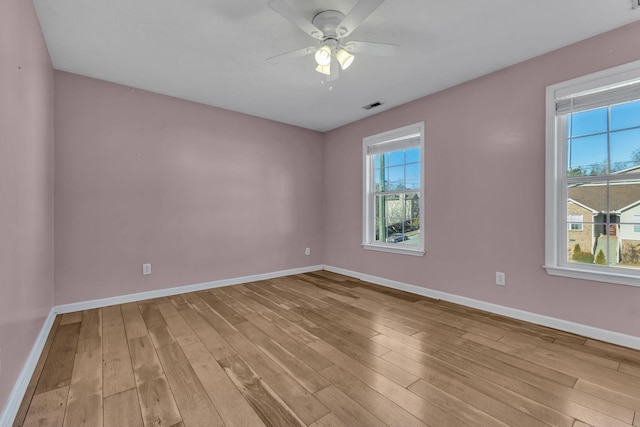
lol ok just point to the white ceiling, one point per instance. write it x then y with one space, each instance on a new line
214 51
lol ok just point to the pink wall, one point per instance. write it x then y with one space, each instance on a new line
26 190
206 194
484 199
201 193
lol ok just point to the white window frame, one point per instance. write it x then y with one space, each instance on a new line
575 220
636 225
556 262
394 139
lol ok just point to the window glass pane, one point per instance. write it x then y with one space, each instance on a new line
630 254
625 149
588 122
392 173
412 155
587 155
381 179
396 178
408 238
630 230
580 244
380 218
398 218
405 229
395 212
624 116
625 198
615 243
412 176
574 222
603 252
412 184
396 158
381 160
588 200
616 203
613 250
413 171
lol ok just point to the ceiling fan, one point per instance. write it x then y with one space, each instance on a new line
331 27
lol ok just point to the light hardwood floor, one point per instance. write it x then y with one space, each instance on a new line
320 349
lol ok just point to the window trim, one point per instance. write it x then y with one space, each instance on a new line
578 222
390 137
555 196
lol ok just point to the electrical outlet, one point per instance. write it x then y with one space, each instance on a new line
501 279
146 269
307 251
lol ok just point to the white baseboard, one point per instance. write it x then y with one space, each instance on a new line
12 406
105 302
552 322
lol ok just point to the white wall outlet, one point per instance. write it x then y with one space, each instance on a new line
307 251
501 279
146 269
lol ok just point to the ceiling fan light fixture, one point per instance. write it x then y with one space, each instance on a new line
323 56
330 27
344 58
324 69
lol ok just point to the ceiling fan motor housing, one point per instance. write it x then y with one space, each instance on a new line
330 26
327 22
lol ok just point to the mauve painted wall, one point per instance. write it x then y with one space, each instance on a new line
201 193
484 194
26 187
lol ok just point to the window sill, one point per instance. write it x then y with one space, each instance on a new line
599 276
394 249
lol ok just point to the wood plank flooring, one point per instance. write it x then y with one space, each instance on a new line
321 349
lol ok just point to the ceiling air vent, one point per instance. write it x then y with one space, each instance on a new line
378 103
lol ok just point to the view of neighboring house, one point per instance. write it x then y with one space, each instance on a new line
588 226
401 211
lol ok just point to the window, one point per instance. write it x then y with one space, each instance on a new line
593 166
574 222
393 191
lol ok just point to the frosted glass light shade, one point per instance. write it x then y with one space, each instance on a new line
323 56
326 69
344 58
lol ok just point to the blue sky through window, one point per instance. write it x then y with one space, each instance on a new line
603 136
397 170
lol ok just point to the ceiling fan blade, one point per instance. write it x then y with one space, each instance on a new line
368 48
293 15
357 15
291 55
